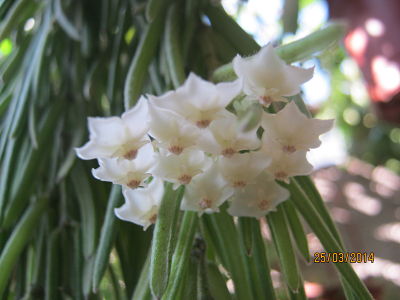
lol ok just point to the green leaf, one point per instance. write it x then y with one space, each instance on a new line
26 175
281 237
31 64
63 21
154 8
227 27
225 239
312 193
289 16
18 13
107 237
246 230
87 210
52 266
18 239
173 47
161 250
314 220
144 53
296 228
181 255
142 289
261 268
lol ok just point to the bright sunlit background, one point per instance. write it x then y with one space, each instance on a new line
361 195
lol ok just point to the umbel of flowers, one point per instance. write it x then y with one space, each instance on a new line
188 137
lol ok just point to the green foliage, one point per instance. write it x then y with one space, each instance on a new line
90 58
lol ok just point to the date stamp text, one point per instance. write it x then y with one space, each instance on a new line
343 257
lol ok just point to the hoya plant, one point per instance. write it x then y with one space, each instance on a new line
146 147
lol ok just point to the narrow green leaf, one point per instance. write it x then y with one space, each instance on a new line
6 169
262 269
217 283
203 289
312 193
281 237
18 13
116 51
173 46
313 43
144 53
155 78
142 289
32 62
161 252
22 187
296 228
188 289
300 294
115 283
191 22
154 8
181 255
314 220
63 21
5 98
87 210
289 16
87 276
18 239
226 26
229 249
32 125
52 266
107 237
246 230
70 157
77 265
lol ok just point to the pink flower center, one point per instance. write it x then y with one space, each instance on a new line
239 184
131 154
205 203
263 204
185 179
175 149
281 175
133 183
228 152
266 100
289 149
153 219
203 123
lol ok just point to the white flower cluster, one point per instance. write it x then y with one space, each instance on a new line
188 137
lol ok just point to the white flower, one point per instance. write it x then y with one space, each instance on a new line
199 101
293 130
206 192
258 198
130 173
285 165
226 138
242 168
171 131
180 169
267 77
117 137
142 204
